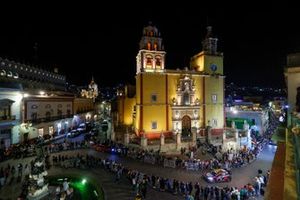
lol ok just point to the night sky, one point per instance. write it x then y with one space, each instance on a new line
81 44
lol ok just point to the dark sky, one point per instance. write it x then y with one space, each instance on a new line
105 44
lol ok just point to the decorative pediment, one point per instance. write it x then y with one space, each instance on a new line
185 91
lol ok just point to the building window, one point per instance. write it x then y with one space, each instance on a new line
214 123
59 113
149 62
5 131
155 47
158 63
34 117
186 98
214 98
153 98
48 116
51 130
34 107
154 125
41 131
68 113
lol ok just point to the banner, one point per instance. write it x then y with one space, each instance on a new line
169 163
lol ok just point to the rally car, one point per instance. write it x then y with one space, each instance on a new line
217 176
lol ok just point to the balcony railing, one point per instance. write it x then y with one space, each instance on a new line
49 119
8 118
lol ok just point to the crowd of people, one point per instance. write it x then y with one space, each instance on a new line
141 182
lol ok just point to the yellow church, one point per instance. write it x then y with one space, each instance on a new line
172 102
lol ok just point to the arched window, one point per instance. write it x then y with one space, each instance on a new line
68 113
186 98
149 62
158 62
155 47
148 46
33 117
59 113
151 33
48 116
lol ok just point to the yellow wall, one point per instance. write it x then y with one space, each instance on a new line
172 85
83 105
214 85
202 62
128 110
138 87
154 83
217 60
197 62
137 117
154 113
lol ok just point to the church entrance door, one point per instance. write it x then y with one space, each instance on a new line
186 126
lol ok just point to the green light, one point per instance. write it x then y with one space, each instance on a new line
83 181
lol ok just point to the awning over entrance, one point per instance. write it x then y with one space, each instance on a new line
5 102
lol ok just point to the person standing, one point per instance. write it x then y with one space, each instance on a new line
144 188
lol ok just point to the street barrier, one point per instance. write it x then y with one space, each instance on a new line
149 159
169 163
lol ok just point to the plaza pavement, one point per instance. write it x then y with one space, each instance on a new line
123 190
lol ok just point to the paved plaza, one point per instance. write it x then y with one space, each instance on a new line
123 190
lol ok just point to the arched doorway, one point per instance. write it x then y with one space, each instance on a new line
186 126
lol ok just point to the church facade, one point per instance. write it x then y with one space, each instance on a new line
172 102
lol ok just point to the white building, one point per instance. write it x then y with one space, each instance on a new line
236 139
10 115
292 77
259 117
46 115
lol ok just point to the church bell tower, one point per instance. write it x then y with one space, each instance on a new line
151 56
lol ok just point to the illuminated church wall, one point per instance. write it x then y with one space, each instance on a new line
169 101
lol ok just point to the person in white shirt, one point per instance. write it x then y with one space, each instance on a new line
65 185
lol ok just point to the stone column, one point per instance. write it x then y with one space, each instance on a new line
162 139
209 134
144 141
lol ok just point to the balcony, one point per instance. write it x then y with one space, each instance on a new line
7 118
49 119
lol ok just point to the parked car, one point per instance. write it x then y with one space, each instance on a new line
217 176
